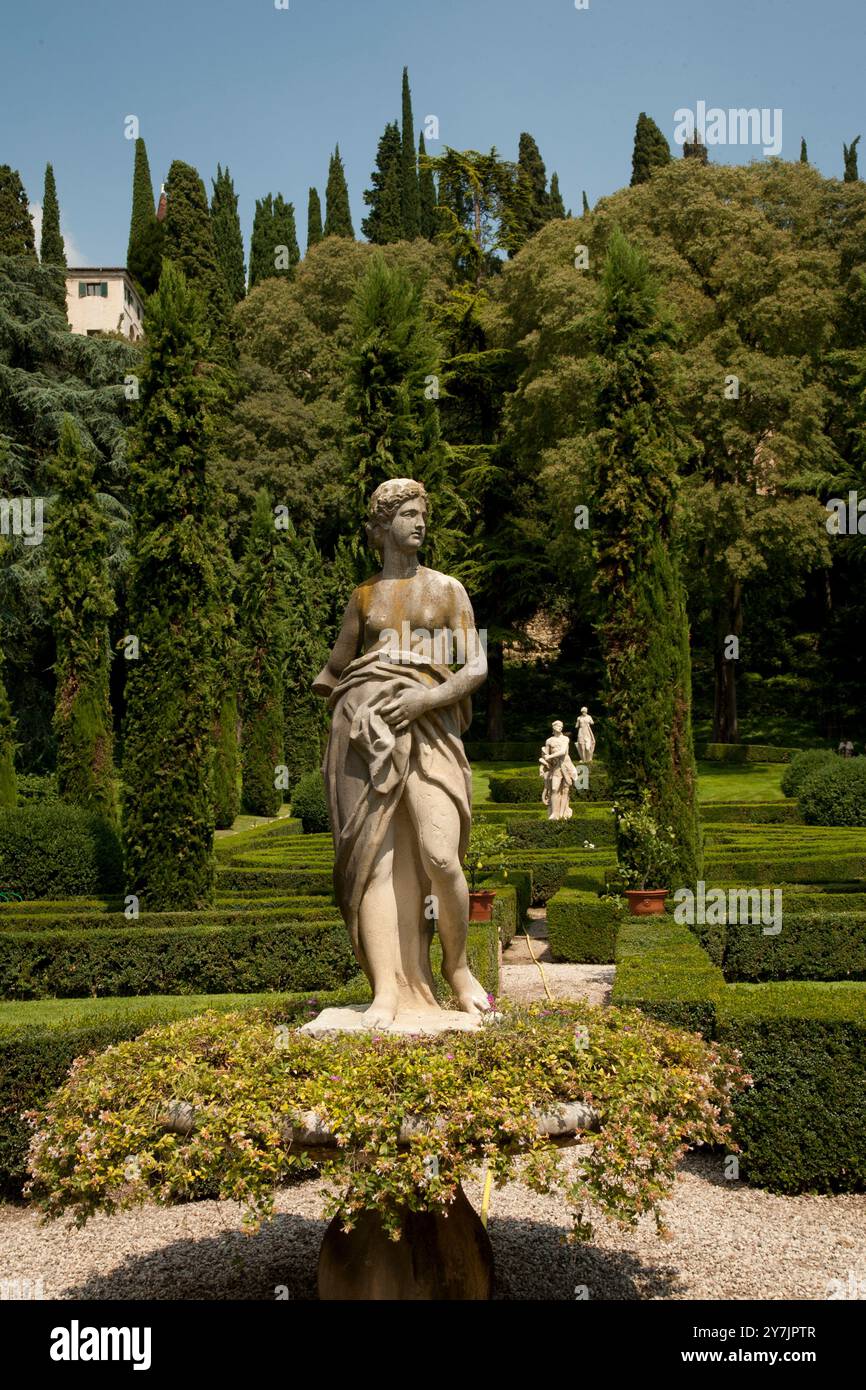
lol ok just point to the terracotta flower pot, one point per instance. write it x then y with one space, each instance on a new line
481 905
646 902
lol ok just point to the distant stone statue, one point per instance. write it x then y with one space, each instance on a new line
398 781
585 736
559 774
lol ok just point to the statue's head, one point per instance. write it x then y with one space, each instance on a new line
398 506
557 726
584 710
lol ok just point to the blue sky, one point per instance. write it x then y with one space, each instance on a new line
270 92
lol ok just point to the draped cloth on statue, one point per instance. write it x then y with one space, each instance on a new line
367 765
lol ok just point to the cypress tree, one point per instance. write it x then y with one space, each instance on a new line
306 587
426 192
696 149
395 430
804 156
174 612
261 241
410 200
8 781
285 254
849 154
585 203
16 225
144 251
556 206
227 234
314 219
226 769
81 602
531 204
261 627
51 248
644 631
651 149
190 244
384 222
338 218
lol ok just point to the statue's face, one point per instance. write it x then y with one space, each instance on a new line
557 728
409 526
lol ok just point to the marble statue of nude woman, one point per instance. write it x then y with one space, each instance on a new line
397 778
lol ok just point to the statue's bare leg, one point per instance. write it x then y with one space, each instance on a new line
415 982
437 825
377 926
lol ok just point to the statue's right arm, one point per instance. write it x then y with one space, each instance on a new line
346 648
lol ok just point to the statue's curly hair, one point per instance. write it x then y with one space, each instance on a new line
386 502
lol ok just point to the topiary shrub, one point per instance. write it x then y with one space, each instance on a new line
58 851
836 794
309 804
801 767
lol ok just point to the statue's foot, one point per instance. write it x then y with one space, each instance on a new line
382 1011
471 996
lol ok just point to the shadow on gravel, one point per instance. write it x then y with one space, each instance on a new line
532 1262
284 1253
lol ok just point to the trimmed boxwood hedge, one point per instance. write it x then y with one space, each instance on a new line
56 850
801 767
802 1127
257 914
177 960
287 827
479 751
751 813
810 946
661 969
40 1041
537 834
582 928
747 868
835 795
516 790
744 753
240 879
521 881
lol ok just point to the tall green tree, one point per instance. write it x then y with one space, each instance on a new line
285 237
696 149
410 197
190 244
530 202
262 618
306 584
849 155
227 234
556 206
314 219
804 153
644 630
17 237
274 247
584 203
81 603
51 248
651 149
426 192
338 217
146 233
390 373
8 780
384 222
174 613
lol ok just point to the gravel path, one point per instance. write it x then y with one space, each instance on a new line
521 980
727 1241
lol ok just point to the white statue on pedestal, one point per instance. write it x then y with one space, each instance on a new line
559 774
585 736
398 781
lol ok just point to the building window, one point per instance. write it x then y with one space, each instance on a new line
89 288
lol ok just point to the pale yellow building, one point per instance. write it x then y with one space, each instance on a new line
103 299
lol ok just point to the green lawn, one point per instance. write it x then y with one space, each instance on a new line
716 781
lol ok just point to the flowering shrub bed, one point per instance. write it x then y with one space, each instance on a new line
100 1143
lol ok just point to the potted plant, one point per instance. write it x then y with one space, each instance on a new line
485 855
646 856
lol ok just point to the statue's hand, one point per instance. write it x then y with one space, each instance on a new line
400 710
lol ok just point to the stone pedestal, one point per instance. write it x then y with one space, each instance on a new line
437 1257
426 1022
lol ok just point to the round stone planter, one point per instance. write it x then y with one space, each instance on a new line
646 902
481 905
438 1256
